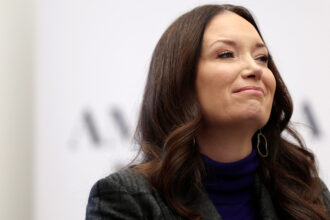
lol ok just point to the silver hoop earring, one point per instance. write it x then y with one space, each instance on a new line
258 145
194 141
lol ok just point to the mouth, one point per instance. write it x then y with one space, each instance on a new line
253 89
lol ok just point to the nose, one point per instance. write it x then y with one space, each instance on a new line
251 69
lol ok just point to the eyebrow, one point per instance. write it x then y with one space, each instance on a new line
233 43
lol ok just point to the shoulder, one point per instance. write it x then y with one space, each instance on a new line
127 180
325 194
125 194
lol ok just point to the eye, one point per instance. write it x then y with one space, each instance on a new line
226 54
263 58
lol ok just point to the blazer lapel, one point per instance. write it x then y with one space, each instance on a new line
204 205
264 201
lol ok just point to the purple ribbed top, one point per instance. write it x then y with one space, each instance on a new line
230 186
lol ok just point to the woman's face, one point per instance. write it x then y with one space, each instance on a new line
234 85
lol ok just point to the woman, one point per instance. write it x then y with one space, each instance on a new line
210 127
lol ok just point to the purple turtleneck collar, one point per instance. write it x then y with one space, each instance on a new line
230 186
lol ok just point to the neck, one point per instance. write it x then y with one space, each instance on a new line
225 144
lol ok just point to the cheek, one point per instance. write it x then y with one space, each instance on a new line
213 82
215 76
213 86
208 89
270 82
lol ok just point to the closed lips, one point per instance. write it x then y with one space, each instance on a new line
249 88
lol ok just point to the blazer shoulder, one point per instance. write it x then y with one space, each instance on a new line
325 194
125 194
128 180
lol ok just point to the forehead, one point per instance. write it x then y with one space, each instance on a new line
231 26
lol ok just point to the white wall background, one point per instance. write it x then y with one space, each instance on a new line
16 106
91 62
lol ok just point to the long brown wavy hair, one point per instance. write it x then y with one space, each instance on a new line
171 117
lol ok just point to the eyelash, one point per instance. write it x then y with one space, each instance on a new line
227 54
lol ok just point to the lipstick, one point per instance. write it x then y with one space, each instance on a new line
250 88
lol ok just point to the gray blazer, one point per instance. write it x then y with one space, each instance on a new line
128 195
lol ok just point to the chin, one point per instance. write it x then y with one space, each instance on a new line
259 119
